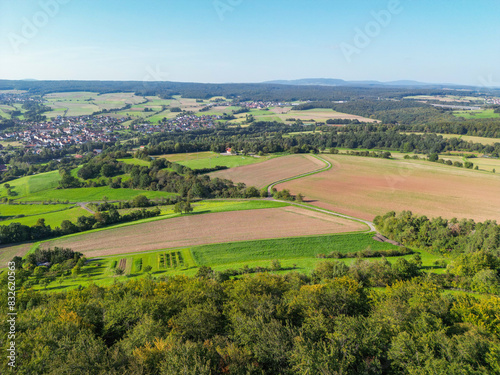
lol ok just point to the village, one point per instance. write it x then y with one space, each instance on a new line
67 131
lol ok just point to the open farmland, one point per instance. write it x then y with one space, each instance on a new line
295 253
366 187
192 230
262 174
86 103
321 114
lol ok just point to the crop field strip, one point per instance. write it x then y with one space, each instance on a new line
194 230
298 253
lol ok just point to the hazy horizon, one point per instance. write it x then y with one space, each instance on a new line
242 41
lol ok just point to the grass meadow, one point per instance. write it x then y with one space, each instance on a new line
200 160
483 113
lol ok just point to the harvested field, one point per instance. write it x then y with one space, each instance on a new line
7 252
262 174
191 230
366 187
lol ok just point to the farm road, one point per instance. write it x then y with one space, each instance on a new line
327 167
84 206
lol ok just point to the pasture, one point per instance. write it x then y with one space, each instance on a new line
54 218
194 230
482 113
200 160
262 174
31 209
25 186
42 188
365 187
91 194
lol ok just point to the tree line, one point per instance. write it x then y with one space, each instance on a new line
326 323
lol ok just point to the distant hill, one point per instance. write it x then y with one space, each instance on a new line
341 82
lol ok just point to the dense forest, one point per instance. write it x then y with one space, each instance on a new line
329 322
243 91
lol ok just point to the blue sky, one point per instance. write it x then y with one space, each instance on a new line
251 40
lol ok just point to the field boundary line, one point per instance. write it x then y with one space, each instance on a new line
367 222
325 168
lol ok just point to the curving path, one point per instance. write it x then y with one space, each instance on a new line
327 167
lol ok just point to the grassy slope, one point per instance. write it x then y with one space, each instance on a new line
92 194
31 184
53 219
30 209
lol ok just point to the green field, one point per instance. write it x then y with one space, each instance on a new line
91 194
297 253
41 188
30 209
238 253
53 219
134 161
25 186
86 103
483 113
300 256
200 160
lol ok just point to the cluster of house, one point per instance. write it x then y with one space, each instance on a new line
64 131
180 123
495 101
10 98
262 104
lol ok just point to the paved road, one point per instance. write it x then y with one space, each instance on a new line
327 167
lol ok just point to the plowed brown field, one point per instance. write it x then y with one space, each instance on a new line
366 187
191 230
262 174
